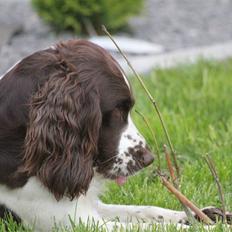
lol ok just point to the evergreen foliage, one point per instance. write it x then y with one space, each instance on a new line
76 15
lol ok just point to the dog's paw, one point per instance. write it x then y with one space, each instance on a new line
216 215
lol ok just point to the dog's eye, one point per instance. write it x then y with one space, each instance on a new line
117 113
125 105
115 118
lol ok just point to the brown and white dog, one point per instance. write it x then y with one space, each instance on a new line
65 128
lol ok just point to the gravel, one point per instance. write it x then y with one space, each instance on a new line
179 24
174 24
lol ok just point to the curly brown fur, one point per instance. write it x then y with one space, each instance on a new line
62 134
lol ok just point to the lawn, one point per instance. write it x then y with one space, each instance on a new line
196 103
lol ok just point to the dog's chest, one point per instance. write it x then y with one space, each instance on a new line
37 207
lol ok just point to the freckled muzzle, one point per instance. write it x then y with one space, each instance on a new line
131 155
147 157
142 157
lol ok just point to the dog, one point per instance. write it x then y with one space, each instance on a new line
65 128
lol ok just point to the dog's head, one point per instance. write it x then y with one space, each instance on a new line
79 119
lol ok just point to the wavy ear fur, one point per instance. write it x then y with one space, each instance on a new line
62 134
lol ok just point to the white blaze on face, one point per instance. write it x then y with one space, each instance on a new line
130 139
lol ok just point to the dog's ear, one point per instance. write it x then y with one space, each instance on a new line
62 134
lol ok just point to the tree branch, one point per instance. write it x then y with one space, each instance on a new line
213 171
185 201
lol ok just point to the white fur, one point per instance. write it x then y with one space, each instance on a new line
132 213
136 137
130 138
38 208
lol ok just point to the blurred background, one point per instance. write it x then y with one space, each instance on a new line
146 29
195 100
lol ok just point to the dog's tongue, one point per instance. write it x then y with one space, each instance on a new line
121 180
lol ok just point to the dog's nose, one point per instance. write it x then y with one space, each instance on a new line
148 158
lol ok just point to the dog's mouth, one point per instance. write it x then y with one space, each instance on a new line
121 180
120 168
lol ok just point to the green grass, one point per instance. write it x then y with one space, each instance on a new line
196 103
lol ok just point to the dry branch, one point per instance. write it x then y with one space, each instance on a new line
188 213
150 98
176 184
185 201
213 171
169 164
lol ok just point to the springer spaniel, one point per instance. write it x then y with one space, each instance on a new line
64 129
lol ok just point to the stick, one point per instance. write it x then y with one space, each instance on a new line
153 135
169 164
213 171
185 201
157 111
150 98
176 184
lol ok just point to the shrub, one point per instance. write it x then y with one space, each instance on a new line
76 15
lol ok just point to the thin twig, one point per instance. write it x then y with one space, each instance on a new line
185 201
213 171
157 111
169 164
150 98
153 135
176 184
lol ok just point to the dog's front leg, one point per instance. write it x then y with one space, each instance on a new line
132 213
